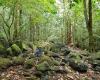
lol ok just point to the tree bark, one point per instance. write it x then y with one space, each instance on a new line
88 19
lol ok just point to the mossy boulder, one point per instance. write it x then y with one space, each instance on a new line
2 49
16 49
97 68
18 60
54 62
82 67
59 69
44 58
78 66
43 66
96 63
29 63
96 56
25 47
75 56
9 51
4 63
50 60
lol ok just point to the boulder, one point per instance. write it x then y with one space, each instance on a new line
29 63
4 63
18 60
2 49
16 50
78 66
43 66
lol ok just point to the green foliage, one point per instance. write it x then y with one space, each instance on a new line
18 60
16 50
9 51
4 63
75 56
2 49
43 66
96 56
29 63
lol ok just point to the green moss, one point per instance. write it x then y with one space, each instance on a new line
24 46
53 62
50 60
29 63
9 51
4 63
16 49
96 55
44 58
2 49
75 56
43 66
18 60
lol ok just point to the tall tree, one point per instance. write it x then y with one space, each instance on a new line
88 19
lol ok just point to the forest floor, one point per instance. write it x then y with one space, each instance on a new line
18 72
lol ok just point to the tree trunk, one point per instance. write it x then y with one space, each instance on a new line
88 19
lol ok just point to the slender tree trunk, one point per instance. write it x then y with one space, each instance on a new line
88 19
91 42
69 30
17 21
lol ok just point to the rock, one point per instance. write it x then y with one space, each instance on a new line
56 55
57 47
38 52
82 67
44 66
2 50
96 56
18 60
95 63
9 51
59 69
38 74
97 68
4 63
29 63
44 58
75 56
65 51
16 50
77 66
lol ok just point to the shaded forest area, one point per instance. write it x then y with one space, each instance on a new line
49 39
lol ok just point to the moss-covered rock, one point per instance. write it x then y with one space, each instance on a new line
18 60
4 63
75 56
50 60
96 56
2 49
24 46
43 66
16 49
97 68
32 78
44 58
29 63
9 51
95 63
82 67
78 66
54 62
